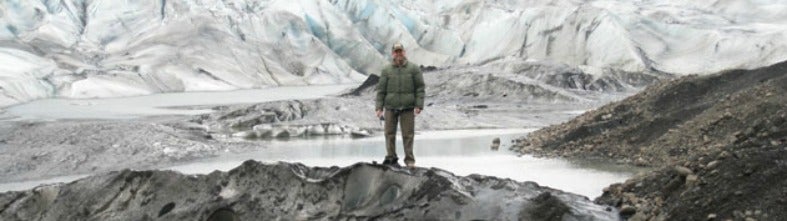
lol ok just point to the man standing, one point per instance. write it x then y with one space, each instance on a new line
400 97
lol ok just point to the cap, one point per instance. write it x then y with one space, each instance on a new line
397 46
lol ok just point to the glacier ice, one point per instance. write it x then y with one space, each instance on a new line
105 48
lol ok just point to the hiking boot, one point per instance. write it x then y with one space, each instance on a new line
411 165
391 161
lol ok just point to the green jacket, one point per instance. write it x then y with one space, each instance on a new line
400 87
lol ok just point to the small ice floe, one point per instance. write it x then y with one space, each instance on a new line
245 134
360 133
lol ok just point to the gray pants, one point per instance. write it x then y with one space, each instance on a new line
405 118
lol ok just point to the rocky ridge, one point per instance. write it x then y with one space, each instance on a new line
256 191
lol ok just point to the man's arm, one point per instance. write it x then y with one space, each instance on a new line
420 88
381 90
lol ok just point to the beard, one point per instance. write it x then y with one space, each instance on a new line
398 59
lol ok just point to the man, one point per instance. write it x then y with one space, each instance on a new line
400 97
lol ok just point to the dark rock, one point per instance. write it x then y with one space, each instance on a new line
368 84
545 207
164 210
495 143
639 216
627 210
472 94
427 68
223 214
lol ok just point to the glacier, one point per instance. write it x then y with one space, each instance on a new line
105 48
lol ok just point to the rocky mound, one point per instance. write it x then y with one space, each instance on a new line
256 191
719 141
671 121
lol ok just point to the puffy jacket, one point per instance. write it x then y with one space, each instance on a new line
400 87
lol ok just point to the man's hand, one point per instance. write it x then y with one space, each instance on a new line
379 113
417 111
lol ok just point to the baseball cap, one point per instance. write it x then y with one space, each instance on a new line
397 46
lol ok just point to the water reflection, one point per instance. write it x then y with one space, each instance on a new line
462 152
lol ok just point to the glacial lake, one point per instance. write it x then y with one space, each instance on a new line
462 152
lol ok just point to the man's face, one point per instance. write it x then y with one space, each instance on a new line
398 54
